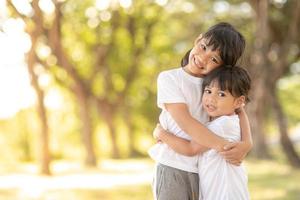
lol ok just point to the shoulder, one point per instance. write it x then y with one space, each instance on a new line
228 122
168 74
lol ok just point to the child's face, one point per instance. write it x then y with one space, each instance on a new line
202 58
218 103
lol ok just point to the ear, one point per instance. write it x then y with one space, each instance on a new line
198 39
239 102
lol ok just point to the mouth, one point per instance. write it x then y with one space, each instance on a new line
198 63
210 108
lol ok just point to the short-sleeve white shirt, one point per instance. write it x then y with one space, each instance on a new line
177 86
218 178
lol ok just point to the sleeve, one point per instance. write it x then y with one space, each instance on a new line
216 128
168 90
230 128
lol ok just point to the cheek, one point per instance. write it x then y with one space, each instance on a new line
214 65
204 97
193 51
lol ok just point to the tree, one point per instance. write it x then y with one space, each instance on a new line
277 43
32 64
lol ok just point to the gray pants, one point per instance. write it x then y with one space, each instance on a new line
175 184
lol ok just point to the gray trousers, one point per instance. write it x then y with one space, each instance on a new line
175 184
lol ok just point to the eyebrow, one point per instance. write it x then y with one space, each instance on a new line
218 57
210 47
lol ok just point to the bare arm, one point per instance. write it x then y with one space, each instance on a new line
180 145
245 128
199 133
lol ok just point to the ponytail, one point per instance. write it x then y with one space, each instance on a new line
185 59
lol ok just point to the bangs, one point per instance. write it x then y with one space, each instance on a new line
224 82
216 42
222 77
234 79
213 41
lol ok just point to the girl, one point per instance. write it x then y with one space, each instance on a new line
179 92
225 90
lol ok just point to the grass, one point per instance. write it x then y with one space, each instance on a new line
273 180
131 179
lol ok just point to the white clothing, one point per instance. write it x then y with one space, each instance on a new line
220 180
177 86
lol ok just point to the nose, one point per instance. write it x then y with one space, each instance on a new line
211 99
204 56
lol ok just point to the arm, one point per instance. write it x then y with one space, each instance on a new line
180 145
236 152
195 129
245 129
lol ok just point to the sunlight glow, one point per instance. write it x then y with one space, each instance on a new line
15 89
105 16
221 7
16 92
43 51
66 175
3 11
102 4
53 99
23 7
91 12
161 2
47 6
188 7
125 3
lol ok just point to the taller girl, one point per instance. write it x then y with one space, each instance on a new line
179 97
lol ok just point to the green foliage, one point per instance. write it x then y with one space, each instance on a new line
288 88
120 34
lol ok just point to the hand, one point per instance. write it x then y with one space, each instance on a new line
157 132
240 109
235 153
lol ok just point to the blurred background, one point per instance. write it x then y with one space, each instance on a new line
78 92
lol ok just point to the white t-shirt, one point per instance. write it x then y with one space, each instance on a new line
218 178
177 86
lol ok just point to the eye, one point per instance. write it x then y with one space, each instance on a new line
207 91
222 94
214 60
202 46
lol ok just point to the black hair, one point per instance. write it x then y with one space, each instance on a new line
234 79
224 37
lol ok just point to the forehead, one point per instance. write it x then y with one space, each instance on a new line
210 45
214 83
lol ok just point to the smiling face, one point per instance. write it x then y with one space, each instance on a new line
202 58
217 102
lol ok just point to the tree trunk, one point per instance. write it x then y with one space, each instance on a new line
256 110
258 70
87 130
133 152
108 113
44 137
285 141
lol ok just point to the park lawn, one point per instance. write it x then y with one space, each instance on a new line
268 179
273 180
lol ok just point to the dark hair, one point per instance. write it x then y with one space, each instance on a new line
224 37
234 79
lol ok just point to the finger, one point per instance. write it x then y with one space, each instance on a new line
229 156
229 146
228 152
235 162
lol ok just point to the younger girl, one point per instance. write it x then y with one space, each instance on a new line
225 90
179 97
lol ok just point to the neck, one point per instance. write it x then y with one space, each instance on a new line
186 69
216 117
